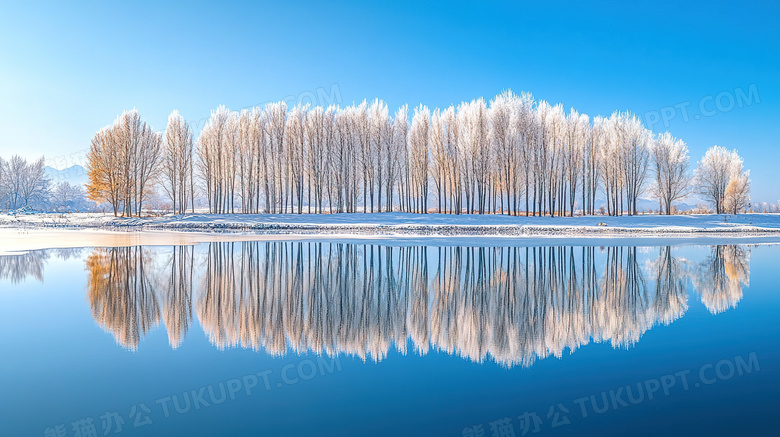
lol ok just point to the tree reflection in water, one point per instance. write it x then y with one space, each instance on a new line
121 293
177 293
720 277
17 268
512 305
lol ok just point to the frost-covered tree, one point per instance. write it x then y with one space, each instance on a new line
714 173
104 168
504 140
610 160
525 127
400 140
672 180
177 169
362 137
418 159
295 142
249 138
140 146
123 163
319 136
35 186
215 160
636 154
67 197
476 152
737 195
453 183
383 160
574 147
624 157
3 184
555 131
23 183
277 181
392 159
341 162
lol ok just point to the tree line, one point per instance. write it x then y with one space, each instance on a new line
25 185
512 155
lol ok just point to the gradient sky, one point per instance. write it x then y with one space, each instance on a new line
67 70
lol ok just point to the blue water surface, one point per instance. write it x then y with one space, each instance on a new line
334 338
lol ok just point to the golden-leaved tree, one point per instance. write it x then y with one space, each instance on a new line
123 163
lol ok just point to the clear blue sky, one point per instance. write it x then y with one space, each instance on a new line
66 70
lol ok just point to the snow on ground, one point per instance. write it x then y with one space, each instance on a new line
39 231
17 241
411 224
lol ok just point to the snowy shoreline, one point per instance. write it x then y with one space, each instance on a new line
405 224
48 231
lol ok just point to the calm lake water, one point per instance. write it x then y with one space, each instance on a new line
390 338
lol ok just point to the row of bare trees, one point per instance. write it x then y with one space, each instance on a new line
512 155
128 161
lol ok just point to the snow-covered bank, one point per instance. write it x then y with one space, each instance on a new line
403 224
17 241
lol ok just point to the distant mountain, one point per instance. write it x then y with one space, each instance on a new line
652 204
74 175
684 206
641 204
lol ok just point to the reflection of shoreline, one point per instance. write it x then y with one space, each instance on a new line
514 304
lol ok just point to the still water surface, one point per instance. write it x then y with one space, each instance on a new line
340 338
